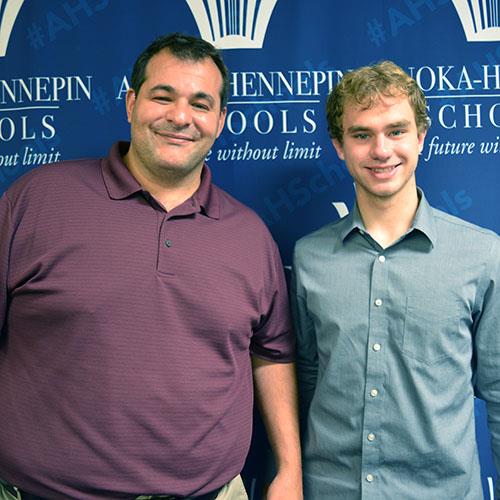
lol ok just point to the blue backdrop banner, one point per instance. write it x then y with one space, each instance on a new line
65 67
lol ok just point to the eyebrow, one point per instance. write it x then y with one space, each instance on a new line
359 128
400 124
170 89
166 88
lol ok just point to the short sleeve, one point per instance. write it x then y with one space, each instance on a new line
274 340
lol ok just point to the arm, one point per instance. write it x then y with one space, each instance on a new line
307 355
487 353
4 256
276 392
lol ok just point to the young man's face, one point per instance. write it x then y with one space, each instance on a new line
380 147
176 116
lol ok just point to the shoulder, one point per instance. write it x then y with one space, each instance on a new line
240 215
460 228
246 236
55 176
325 237
467 243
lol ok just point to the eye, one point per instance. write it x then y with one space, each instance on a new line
162 98
397 132
201 106
361 136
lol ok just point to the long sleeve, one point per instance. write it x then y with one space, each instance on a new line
487 350
307 356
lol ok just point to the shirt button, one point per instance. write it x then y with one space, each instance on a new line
168 243
381 259
370 478
374 393
378 302
376 347
371 437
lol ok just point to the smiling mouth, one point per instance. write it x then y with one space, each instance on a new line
383 170
174 137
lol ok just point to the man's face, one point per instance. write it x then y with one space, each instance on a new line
380 147
176 116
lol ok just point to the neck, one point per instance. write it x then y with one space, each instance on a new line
170 189
387 219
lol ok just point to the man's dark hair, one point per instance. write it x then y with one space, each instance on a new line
183 47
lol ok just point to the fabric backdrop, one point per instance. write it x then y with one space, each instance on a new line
65 65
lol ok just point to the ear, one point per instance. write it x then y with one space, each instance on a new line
339 148
222 121
130 103
421 138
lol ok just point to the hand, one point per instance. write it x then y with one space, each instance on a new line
285 486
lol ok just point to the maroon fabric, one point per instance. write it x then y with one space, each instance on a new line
126 330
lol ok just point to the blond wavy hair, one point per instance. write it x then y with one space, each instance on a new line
365 86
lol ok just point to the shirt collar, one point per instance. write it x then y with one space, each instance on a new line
351 222
206 196
423 222
118 180
121 184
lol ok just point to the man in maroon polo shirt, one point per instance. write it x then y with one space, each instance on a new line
136 301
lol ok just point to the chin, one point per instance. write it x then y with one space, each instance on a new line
383 193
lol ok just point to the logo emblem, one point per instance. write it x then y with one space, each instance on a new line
8 17
480 19
233 24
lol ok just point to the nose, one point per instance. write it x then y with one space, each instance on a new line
381 149
179 113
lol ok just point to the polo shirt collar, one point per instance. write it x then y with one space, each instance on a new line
207 196
118 180
121 184
423 222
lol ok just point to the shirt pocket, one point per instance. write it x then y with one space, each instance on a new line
431 331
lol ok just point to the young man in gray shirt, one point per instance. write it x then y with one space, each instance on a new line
397 310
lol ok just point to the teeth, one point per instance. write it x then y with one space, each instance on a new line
382 170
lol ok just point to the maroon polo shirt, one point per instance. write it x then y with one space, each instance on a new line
127 332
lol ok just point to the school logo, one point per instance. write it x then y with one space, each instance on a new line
8 15
233 24
480 19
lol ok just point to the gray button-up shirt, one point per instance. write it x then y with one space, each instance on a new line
392 345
